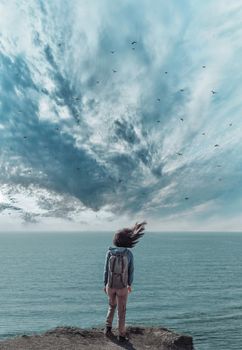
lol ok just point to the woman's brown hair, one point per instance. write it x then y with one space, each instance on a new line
128 237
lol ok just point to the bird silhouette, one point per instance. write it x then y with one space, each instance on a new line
179 153
25 137
186 198
216 145
213 92
204 66
182 119
134 42
181 90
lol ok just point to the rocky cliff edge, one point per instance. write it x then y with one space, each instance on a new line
71 338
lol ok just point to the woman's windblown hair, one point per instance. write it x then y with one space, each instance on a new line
128 237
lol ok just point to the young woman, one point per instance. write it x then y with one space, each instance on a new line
118 275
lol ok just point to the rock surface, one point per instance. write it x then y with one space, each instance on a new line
70 338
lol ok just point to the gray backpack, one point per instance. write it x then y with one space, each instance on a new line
118 270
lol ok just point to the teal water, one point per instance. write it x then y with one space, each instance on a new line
188 282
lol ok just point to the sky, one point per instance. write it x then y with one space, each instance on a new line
113 112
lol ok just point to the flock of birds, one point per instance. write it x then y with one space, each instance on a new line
133 46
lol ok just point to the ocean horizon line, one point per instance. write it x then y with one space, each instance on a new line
111 231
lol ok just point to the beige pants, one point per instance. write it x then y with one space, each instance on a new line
117 296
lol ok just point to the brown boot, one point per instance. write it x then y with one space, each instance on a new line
122 339
108 331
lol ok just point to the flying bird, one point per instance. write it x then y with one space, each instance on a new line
204 66
182 119
216 145
181 90
186 198
179 153
213 92
134 42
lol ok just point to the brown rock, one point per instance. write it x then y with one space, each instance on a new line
71 338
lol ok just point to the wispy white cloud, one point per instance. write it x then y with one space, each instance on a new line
97 129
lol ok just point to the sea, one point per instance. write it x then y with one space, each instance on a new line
190 283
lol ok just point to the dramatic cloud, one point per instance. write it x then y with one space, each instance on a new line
114 111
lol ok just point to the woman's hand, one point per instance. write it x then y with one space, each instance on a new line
129 289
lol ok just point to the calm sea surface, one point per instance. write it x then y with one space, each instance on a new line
187 282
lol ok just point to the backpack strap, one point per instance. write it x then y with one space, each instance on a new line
113 265
122 264
123 255
112 270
